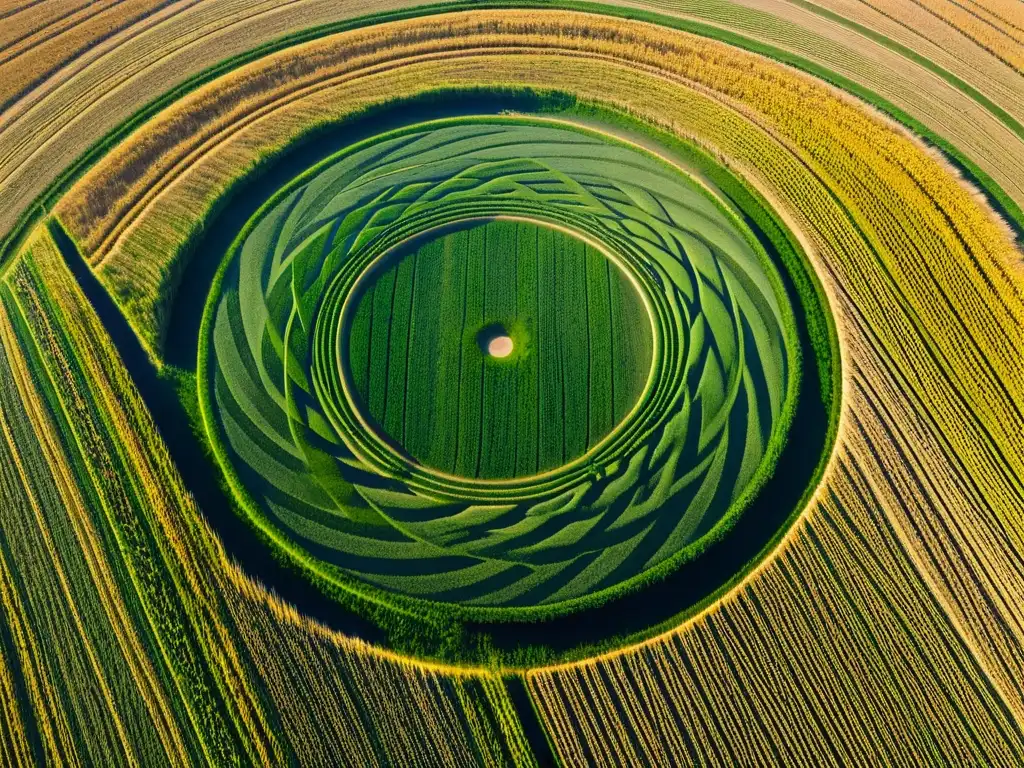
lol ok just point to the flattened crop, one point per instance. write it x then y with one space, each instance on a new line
354 405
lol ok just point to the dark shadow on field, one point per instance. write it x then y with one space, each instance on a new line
630 613
196 464
533 728
627 614
190 451
701 577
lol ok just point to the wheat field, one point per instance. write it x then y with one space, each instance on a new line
881 622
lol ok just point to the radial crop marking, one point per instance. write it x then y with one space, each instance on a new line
648 370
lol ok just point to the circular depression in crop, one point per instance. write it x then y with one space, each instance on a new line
500 346
497 349
367 430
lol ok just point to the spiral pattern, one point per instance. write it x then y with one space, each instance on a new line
665 476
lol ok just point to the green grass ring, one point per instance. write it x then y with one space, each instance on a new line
290 423
652 399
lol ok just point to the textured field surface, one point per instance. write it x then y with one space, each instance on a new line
130 207
887 628
329 489
38 39
135 640
580 360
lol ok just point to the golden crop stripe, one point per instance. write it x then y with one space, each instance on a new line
1001 39
389 37
82 328
973 604
920 686
979 522
674 666
840 273
223 651
14 743
179 36
335 666
63 581
114 495
126 633
50 717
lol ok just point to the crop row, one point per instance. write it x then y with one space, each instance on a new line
923 537
879 281
552 402
895 57
132 638
127 198
833 234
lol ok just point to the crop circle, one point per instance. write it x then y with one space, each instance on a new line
512 384
466 344
641 473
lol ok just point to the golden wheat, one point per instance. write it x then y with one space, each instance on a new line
142 199
932 37
268 664
886 628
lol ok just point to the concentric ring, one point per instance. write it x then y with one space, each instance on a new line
642 498
668 342
581 344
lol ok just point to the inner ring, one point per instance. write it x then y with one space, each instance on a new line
496 348
363 437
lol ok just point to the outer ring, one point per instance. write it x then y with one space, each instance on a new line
413 607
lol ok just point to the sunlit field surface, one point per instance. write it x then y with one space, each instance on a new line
512 383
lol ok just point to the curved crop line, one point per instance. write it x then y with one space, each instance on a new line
355 426
478 485
344 393
47 199
896 574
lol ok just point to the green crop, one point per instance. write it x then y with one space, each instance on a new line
364 425
418 348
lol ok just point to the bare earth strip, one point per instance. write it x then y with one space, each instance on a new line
912 26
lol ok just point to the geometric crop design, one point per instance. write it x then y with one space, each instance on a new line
318 473
580 358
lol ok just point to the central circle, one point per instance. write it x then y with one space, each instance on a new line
500 346
497 348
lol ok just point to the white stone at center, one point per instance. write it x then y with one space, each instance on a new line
499 346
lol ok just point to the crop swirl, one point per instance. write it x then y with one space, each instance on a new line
488 384
319 469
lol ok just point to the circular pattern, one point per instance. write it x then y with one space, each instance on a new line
429 348
369 517
500 346
924 481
